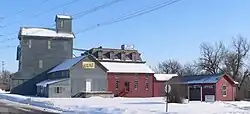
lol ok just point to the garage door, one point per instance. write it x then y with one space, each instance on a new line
194 93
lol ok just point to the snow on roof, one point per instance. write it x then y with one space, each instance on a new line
235 82
44 32
67 64
116 67
164 77
63 16
50 81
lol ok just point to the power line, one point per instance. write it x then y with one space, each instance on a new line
131 15
23 10
42 13
86 12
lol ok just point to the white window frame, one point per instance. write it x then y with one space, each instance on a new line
40 64
224 90
136 82
116 83
29 43
58 90
49 44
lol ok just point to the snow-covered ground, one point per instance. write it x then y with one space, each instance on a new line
97 105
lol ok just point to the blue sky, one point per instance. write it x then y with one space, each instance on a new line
173 32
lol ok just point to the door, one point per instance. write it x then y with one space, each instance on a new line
127 86
88 85
195 93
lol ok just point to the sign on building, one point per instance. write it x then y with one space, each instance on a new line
209 98
88 65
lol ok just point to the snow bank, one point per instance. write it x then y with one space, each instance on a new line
142 106
98 105
27 100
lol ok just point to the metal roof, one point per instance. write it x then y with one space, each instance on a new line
195 79
164 77
50 81
120 67
67 64
44 32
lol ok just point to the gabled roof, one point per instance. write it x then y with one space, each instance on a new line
44 32
63 17
50 81
195 79
120 67
67 64
164 77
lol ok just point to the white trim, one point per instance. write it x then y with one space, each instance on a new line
164 77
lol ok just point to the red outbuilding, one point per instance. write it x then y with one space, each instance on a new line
129 79
160 81
216 87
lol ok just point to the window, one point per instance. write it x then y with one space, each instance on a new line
224 90
29 43
248 93
65 46
61 24
136 84
59 89
49 44
147 81
116 83
40 63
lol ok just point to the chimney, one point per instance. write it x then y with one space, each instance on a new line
127 47
63 23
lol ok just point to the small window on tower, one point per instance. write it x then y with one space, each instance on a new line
40 63
29 43
49 44
61 23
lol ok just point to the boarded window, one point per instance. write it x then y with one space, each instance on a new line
65 46
29 43
59 89
61 23
40 63
248 93
224 90
49 44
116 83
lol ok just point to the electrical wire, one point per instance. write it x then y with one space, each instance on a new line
131 15
40 14
86 12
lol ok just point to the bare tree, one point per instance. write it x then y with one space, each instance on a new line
211 57
235 60
190 69
169 67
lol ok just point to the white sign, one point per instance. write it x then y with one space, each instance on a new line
209 98
167 88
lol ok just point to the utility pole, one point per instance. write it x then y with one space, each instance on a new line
3 66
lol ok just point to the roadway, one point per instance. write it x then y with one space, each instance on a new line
6 108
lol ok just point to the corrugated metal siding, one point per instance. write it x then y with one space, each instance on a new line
66 92
159 88
79 75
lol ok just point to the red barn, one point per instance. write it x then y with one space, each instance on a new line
160 81
129 79
219 87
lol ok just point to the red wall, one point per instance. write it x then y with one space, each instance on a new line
229 87
141 90
159 90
